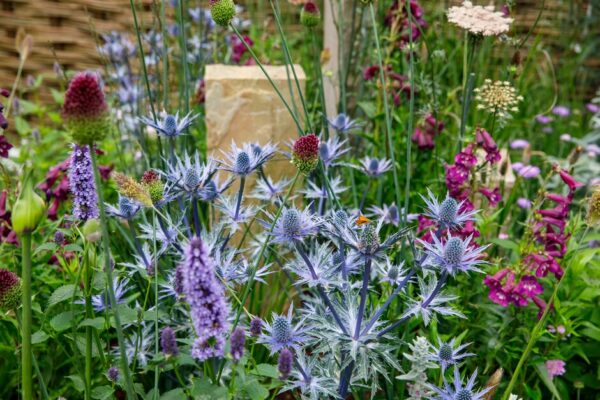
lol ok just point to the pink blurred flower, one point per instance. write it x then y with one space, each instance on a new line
555 368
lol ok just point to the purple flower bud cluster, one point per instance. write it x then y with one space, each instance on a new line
238 343
284 363
168 342
205 295
82 184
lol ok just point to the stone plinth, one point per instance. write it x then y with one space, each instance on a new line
241 105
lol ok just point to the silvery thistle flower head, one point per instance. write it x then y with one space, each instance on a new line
375 167
235 216
281 333
165 238
313 382
320 257
170 126
244 160
388 214
144 264
126 208
315 191
447 213
430 301
101 303
331 150
459 391
82 184
237 271
137 346
342 123
453 256
293 225
391 272
268 190
446 354
205 295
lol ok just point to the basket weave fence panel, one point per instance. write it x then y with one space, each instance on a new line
66 30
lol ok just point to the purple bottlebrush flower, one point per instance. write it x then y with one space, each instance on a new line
561 111
284 363
282 334
205 295
171 125
375 167
555 368
238 342
168 342
293 225
256 326
543 119
82 184
449 213
447 355
524 203
519 144
460 391
112 374
454 255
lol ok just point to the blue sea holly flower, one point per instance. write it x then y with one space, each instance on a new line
190 177
446 354
320 258
454 255
342 123
171 125
312 380
331 150
268 190
391 272
126 208
293 225
447 213
430 301
234 216
314 191
458 391
375 167
100 302
388 214
244 160
281 333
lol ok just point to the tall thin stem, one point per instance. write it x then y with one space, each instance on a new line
363 297
410 116
388 116
109 279
26 355
87 280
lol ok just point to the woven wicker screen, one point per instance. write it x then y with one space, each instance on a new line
66 30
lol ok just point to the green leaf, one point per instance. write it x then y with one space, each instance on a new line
57 96
77 382
22 126
591 331
543 373
97 323
62 321
267 370
175 394
368 108
505 243
255 390
74 248
203 389
39 337
102 392
61 294
50 246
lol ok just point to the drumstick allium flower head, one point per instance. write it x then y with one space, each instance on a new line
222 11
85 110
305 153
10 290
310 16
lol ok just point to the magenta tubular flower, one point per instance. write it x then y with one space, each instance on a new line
205 295
85 110
466 157
3 121
493 195
570 181
529 286
425 133
82 184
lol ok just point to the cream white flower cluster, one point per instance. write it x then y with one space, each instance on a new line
479 20
497 97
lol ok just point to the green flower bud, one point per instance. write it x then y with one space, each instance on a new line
222 11
92 230
310 16
29 209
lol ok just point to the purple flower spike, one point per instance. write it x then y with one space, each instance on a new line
82 184
168 342
238 342
205 295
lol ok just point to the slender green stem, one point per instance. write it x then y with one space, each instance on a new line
288 56
319 72
156 303
388 116
35 366
109 279
285 103
87 280
26 355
